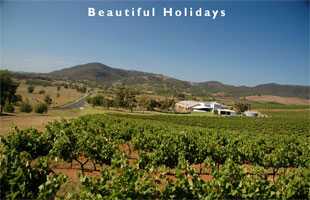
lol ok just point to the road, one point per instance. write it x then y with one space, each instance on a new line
78 103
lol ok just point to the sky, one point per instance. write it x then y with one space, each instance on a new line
256 42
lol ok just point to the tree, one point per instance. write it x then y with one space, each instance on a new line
119 99
17 98
107 103
48 100
167 104
30 89
179 96
8 88
96 100
130 101
172 105
152 104
81 89
143 101
241 107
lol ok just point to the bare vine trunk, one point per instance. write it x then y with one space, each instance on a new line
82 164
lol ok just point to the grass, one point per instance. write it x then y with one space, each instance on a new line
202 114
66 95
63 113
91 110
49 113
38 82
88 110
22 123
288 113
278 106
99 110
72 186
38 121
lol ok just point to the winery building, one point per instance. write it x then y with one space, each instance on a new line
204 107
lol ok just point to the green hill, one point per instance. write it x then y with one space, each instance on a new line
113 76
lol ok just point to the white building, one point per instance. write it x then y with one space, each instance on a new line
200 106
250 114
226 112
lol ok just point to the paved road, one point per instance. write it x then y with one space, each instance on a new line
78 103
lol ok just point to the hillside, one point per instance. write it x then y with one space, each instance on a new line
96 71
106 74
266 89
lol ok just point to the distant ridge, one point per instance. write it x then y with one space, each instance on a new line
106 74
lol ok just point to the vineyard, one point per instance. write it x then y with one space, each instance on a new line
278 106
163 157
291 123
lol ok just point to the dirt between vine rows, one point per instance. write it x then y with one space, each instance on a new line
72 173
73 185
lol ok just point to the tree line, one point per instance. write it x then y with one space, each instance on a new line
124 98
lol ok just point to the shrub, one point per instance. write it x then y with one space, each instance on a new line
8 108
81 89
216 112
42 92
26 107
30 89
40 108
48 100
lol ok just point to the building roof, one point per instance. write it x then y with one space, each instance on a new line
250 112
188 103
198 104
226 110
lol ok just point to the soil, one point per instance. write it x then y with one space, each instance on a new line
278 99
73 184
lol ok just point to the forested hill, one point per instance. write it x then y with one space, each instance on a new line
106 74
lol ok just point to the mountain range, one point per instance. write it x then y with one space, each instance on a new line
105 74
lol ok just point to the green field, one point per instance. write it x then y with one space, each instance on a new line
294 122
303 114
278 106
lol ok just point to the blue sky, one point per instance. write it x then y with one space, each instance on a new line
256 42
